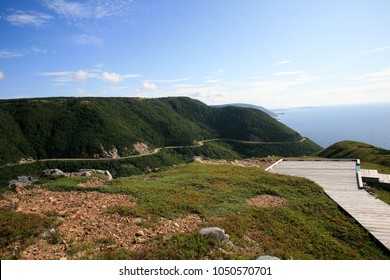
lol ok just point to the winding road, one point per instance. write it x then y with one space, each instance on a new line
155 151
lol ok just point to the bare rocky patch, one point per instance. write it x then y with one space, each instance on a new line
84 227
251 162
141 148
266 200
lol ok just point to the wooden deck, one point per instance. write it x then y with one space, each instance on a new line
340 182
373 175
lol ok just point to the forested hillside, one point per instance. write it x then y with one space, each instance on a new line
89 127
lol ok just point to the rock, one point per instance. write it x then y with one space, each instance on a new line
86 173
52 231
98 171
140 240
215 232
197 159
108 175
21 182
266 257
139 233
17 187
53 172
113 153
137 220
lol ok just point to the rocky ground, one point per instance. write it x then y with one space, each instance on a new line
85 225
251 162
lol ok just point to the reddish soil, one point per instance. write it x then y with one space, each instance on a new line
85 228
251 162
266 200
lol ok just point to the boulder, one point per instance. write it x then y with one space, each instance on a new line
267 258
108 175
53 172
98 171
197 159
20 183
215 233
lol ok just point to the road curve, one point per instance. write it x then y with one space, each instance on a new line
155 151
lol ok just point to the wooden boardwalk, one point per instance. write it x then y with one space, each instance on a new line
373 175
340 182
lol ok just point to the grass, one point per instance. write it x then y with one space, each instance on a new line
309 226
21 230
381 191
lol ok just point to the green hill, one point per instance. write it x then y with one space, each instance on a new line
91 127
363 151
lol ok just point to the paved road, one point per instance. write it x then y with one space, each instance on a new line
155 151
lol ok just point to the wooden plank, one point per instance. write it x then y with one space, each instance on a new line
384 178
340 181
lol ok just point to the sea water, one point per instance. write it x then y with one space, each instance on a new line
327 125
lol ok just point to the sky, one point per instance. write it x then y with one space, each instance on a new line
276 54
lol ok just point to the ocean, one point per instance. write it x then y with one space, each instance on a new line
327 125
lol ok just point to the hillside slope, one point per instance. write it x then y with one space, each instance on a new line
93 127
263 213
363 151
244 105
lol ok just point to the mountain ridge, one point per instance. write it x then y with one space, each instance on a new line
92 127
245 105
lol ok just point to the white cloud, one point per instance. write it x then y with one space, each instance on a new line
112 77
81 75
212 81
80 91
377 49
383 74
85 39
288 73
68 9
62 77
2 76
285 61
92 9
11 54
116 78
147 86
171 81
19 53
68 76
22 18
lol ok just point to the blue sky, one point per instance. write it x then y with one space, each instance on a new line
275 54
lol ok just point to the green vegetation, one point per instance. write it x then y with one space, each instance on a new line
351 149
309 226
381 191
85 127
20 230
166 157
286 149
